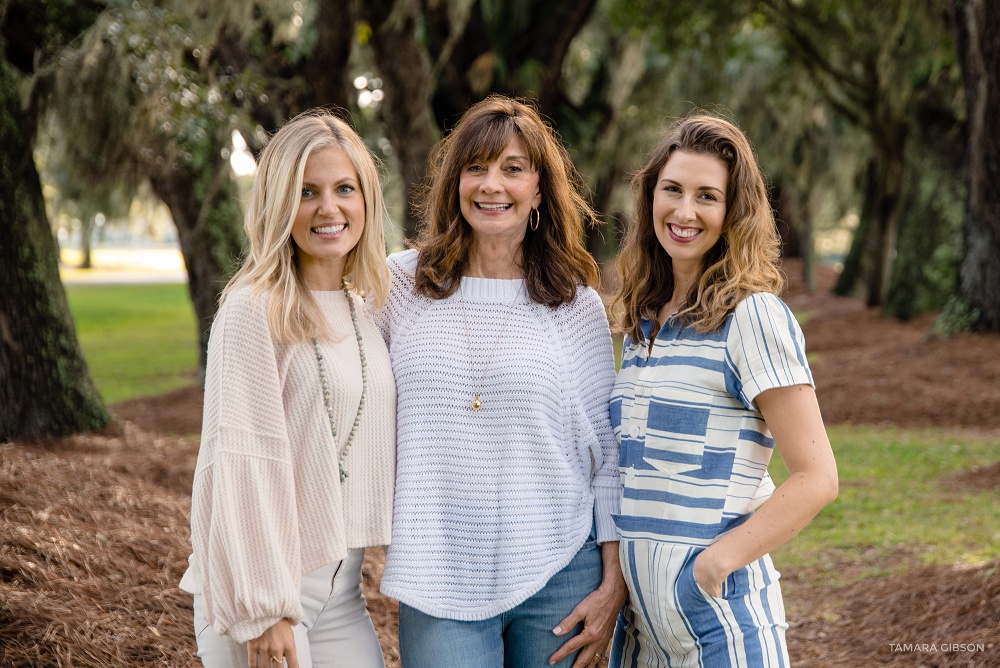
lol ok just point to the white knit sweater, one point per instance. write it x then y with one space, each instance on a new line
490 504
267 504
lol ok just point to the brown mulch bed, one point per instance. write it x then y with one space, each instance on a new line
933 617
93 540
978 477
94 535
870 369
175 412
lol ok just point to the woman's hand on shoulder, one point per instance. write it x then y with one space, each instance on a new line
274 647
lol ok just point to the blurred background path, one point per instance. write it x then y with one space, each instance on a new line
124 265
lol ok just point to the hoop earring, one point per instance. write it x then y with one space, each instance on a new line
534 223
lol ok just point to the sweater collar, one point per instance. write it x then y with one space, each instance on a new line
509 290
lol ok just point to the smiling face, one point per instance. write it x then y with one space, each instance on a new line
330 217
689 207
497 197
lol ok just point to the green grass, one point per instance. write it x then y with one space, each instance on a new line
138 339
802 317
893 511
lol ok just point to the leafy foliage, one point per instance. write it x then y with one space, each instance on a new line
848 102
144 96
957 316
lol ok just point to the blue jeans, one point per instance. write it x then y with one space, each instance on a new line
519 638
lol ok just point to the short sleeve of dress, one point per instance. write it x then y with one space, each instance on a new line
765 349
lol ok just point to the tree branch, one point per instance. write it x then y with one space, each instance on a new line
853 88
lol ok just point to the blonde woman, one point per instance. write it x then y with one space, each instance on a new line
295 472
713 378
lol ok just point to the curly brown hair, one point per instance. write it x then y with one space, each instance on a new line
742 262
554 258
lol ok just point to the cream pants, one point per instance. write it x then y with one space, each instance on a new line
336 630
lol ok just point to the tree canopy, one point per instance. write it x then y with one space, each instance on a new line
867 117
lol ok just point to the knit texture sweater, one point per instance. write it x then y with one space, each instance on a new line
491 503
267 504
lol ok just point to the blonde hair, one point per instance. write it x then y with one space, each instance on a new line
743 261
554 257
269 264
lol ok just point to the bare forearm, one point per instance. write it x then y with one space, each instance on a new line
792 506
792 414
612 578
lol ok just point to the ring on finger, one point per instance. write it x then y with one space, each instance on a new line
276 660
599 657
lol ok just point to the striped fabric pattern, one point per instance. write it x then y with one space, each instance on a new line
671 621
694 448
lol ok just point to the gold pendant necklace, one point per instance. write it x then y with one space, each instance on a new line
477 380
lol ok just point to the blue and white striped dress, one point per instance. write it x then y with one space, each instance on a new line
694 456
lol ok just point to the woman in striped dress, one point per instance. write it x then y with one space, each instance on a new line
713 378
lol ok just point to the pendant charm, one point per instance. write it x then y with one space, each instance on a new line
343 472
476 403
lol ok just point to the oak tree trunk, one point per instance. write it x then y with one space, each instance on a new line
405 67
45 386
209 226
974 25
855 262
886 209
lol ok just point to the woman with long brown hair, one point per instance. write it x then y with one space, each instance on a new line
713 378
507 479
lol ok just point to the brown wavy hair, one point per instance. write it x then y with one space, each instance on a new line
743 261
553 256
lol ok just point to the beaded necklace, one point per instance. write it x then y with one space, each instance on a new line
342 455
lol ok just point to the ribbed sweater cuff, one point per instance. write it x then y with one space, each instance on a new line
607 501
249 629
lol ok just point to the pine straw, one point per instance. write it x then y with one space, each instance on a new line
94 538
382 608
93 541
865 624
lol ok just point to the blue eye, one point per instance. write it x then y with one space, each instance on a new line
345 189
307 192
